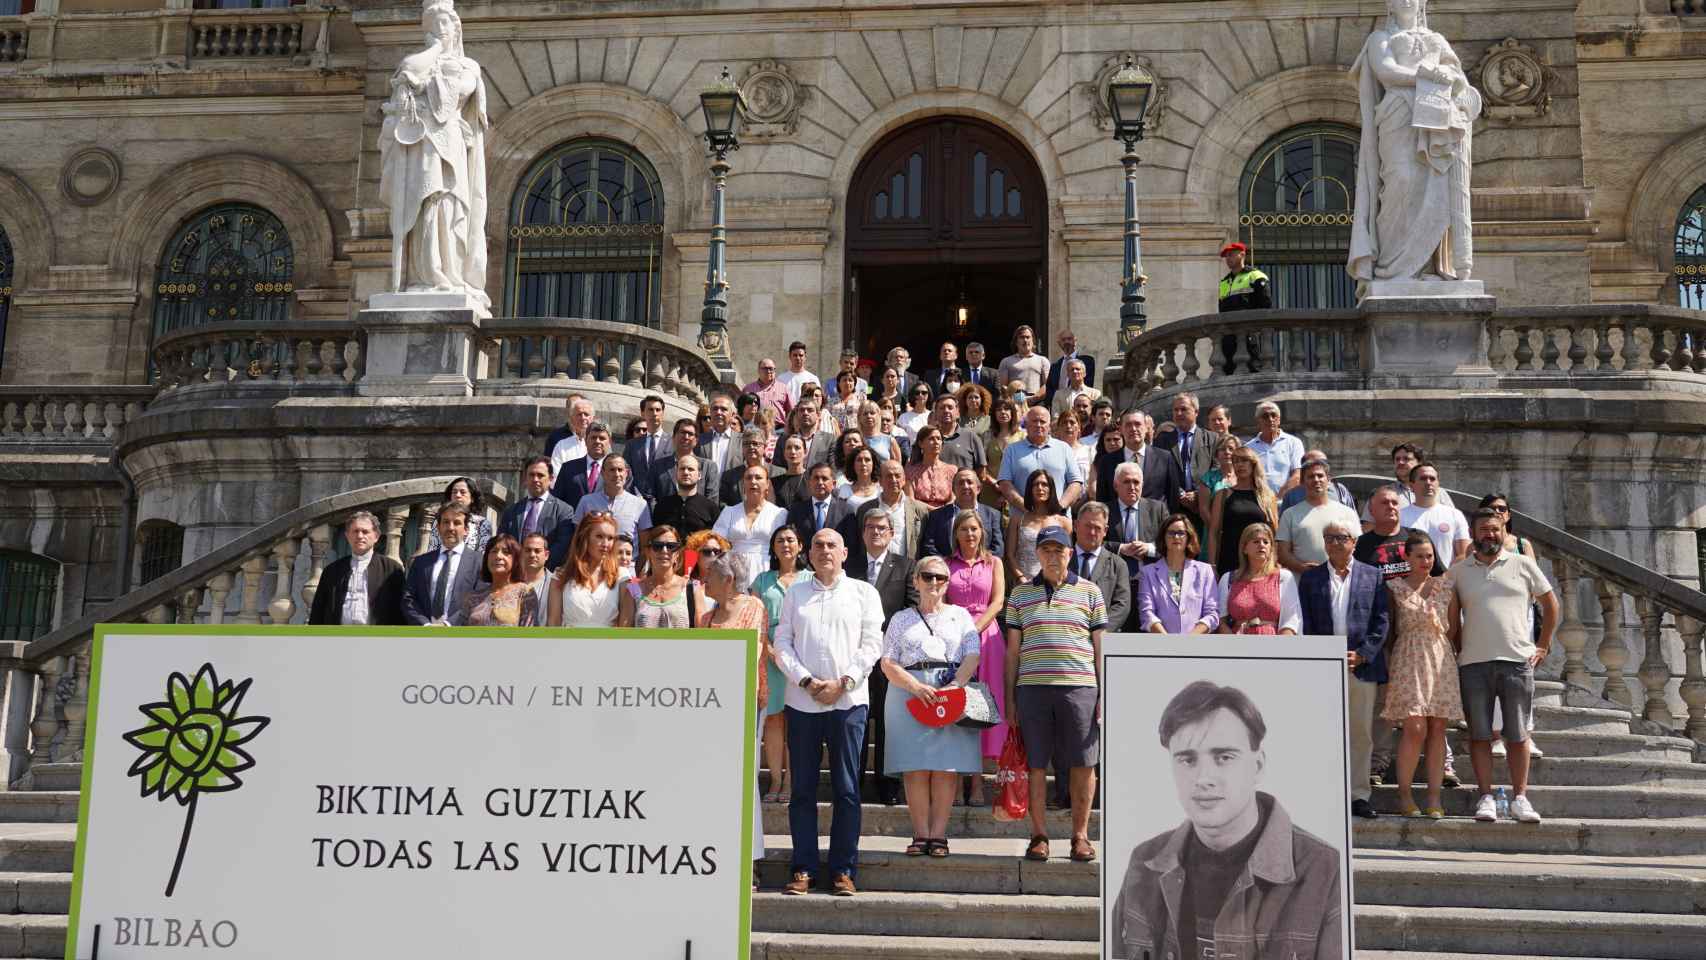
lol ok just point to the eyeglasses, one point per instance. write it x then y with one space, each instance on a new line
666 546
933 577
710 552
1177 535
1337 538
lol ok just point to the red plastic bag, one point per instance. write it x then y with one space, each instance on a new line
1012 779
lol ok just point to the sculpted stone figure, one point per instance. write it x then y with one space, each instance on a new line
432 149
1412 205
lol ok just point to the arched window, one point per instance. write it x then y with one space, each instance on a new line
1690 269
162 550
227 264
5 290
586 236
29 592
1294 212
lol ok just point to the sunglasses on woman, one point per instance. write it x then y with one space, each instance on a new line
666 546
933 577
710 551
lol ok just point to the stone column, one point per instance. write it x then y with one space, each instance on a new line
420 351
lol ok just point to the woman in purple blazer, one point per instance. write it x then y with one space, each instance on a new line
1176 594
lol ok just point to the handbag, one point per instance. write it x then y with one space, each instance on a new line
981 710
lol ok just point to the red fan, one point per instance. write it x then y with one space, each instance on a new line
950 705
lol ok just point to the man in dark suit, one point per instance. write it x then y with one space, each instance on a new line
1057 370
1364 619
901 360
1134 520
804 421
752 442
722 445
988 378
683 440
891 574
643 453
906 514
1163 479
1193 447
540 512
950 360
820 508
377 597
439 579
937 539
580 476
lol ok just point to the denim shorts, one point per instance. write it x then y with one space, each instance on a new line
1507 681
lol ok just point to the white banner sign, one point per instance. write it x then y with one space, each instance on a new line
358 793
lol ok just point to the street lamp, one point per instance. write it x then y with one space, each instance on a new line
722 104
1128 100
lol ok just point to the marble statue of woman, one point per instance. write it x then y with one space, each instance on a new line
1412 206
432 149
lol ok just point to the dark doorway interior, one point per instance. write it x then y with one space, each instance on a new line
917 307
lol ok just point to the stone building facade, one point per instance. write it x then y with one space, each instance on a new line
899 161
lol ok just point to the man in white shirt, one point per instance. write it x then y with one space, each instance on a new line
1443 524
364 588
613 497
797 376
1280 452
1300 539
1073 388
439 579
828 640
573 445
1405 456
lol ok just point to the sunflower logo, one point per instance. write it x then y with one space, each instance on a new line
191 745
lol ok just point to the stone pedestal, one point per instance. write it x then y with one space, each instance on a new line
1419 341
421 352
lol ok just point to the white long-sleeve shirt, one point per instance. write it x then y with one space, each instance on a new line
829 632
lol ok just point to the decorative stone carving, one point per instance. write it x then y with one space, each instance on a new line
1096 91
1515 82
772 100
90 176
432 148
1411 225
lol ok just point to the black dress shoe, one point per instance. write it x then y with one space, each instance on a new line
1363 809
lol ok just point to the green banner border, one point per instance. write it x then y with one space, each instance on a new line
749 754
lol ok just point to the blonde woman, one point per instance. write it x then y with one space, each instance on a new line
583 590
1261 597
1246 501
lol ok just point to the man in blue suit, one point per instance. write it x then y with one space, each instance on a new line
1347 597
439 579
644 453
540 512
579 476
938 538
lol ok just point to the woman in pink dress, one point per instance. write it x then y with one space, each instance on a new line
975 582
1260 597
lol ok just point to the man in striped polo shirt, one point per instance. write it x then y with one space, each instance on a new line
1054 629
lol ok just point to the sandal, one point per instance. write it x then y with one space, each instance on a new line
1082 851
1413 812
918 847
1436 813
773 797
1038 850
937 848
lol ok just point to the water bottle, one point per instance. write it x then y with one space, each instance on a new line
1502 803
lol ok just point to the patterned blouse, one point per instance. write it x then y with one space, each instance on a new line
516 605
932 485
947 634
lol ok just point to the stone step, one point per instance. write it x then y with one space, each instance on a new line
1597 803
813 946
1581 743
1667 885
1549 933
975 866
56 776
1552 717
1554 770
1549 692
38 806
30 892
877 820
1014 916
1555 835
38 847
33 936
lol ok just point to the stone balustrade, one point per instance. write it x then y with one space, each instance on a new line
250 39
1688 8
37 414
295 354
14 43
1599 341
1195 352
531 350
257 578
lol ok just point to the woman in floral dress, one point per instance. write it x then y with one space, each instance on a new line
503 601
1422 692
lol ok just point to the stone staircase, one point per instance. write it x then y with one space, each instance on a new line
1617 870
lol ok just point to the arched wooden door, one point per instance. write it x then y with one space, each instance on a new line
947 228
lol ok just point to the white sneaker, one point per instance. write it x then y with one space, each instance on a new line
1498 747
1534 749
1522 811
1486 809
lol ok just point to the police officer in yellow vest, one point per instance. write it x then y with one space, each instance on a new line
1243 288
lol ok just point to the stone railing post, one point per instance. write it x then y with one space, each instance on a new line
218 589
396 515
282 607
319 542
1571 634
1613 654
1693 689
45 724
253 569
423 529
1654 672
77 709
187 603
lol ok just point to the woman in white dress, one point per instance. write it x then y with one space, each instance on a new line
860 486
584 589
748 525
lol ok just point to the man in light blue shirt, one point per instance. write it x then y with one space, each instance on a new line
1280 452
1038 451
614 497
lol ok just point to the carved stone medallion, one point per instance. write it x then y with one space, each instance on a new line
90 176
773 100
1515 82
1096 91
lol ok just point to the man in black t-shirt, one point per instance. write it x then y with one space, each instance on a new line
1245 875
1383 545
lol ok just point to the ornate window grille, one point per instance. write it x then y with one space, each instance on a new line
29 592
162 550
227 264
1294 212
244 4
586 237
1690 268
6 266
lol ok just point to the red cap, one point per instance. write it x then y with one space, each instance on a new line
1234 246
865 363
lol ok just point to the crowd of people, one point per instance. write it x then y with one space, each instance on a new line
893 536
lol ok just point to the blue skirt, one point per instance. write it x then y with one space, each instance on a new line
912 746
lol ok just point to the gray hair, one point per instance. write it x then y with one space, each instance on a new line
931 564
1095 508
597 426
1130 466
733 566
1267 405
753 435
1342 527
1189 398
361 515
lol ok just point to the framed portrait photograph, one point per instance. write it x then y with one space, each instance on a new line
1226 810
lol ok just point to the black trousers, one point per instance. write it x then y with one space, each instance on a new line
887 787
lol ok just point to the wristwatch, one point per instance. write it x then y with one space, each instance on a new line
846 683
806 684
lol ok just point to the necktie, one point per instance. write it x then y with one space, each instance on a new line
1185 455
876 566
592 476
820 507
440 587
1084 564
1130 524
530 522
